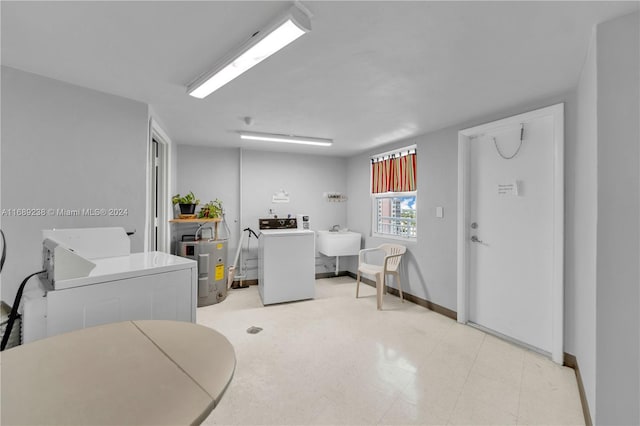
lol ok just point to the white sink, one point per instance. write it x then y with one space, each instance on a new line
341 243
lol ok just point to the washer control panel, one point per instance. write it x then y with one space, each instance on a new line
276 223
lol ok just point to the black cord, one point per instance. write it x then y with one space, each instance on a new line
517 150
14 310
4 250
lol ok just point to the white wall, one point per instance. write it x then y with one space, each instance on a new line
618 232
215 173
306 178
430 265
210 173
67 147
581 230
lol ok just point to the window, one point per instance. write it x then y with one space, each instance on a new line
394 193
395 215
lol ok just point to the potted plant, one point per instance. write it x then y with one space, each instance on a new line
187 203
211 210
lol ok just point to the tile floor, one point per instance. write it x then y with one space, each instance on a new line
337 360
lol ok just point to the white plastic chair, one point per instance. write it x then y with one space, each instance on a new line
393 255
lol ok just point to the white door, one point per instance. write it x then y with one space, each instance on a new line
511 239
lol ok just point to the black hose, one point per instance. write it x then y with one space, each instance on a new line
4 250
14 310
251 232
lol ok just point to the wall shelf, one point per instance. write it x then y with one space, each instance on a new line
201 221
196 220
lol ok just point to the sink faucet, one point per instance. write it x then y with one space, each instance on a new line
335 228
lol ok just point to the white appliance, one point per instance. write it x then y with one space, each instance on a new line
92 279
303 221
286 265
211 256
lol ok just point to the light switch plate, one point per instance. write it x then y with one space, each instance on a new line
439 212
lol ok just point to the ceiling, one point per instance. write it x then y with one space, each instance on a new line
368 73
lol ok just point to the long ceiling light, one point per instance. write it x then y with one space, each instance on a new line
272 137
260 46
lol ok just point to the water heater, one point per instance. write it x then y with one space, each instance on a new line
211 256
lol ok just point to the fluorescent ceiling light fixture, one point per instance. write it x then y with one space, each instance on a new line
260 46
272 137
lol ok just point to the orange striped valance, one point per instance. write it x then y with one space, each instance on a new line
395 173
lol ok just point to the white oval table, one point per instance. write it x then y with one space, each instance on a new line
132 372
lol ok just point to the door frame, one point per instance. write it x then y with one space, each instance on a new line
165 207
464 163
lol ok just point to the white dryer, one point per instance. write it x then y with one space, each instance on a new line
92 279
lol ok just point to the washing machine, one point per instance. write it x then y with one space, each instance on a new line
286 262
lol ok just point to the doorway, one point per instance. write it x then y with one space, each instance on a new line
510 228
158 208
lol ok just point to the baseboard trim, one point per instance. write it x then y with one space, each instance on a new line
236 283
572 362
413 299
320 275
